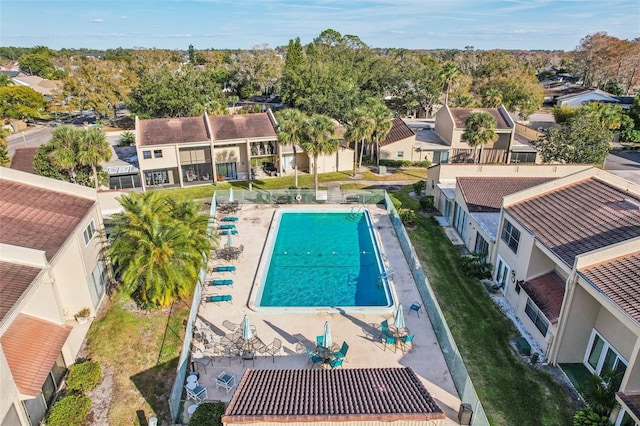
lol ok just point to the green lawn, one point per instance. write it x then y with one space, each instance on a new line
511 392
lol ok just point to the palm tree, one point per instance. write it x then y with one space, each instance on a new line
359 128
64 155
159 247
480 130
599 391
318 140
93 148
291 123
450 75
382 118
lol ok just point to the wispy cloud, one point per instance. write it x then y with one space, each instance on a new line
96 20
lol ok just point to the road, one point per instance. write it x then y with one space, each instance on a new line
625 164
28 138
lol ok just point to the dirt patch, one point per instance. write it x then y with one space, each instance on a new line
102 397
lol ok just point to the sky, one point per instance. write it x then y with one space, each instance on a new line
243 24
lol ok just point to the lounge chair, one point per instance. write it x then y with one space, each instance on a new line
342 353
218 298
227 226
229 219
226 381
226 232
221 283
223 268
314 358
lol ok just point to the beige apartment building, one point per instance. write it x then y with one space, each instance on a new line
50 268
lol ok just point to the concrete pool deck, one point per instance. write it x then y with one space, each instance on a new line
357 329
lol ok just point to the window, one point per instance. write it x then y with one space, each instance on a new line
601 356
89 232
440 157
146 155
482 246
510 235
400 154
523 157
96 283
502 273
157 153
536 317
460 221
624 419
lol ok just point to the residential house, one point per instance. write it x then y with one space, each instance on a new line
50 268
200 150
39 84
451 125
585 97
569 260
364 396
403 143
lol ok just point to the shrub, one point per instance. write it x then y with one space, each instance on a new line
70 410
474 266
84 376
588 417
534 358
418 187
427 203
424 163
396 203
407 216
127 138
208 414
395 163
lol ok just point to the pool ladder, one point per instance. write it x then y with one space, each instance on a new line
386 275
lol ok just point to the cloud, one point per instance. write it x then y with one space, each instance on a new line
124 17
96 20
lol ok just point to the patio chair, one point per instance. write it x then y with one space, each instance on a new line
405 341
335 363
218 299
226 381
390 340
320 340
221 283
313 357
384 328
196 392
342 353
274 348
416 307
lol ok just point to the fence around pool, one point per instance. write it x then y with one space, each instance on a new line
459 374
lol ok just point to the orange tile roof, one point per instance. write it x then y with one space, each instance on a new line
39 218
341 395
161 131
547 292
399 131
484 194
32 346
619 280
14 281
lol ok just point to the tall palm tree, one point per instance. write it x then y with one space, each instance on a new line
159 247
93 148
449 75
318 140
359 128
480 130
64 155
382 118
291 123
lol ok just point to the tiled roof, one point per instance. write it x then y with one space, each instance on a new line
23 159
547 292
14 280
32 346
631 400
38 218
460 116
160 131
484 194
399 131
619 280
241 126
323 395
580 217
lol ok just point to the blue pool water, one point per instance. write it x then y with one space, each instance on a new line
327 259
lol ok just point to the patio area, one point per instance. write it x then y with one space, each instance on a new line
361 331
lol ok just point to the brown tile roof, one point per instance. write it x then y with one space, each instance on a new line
241 126
14 281
23 159
580 217
619 280
547 292
631 400
484 194
359 394
160 131
38 218
32 346
399 131
460 116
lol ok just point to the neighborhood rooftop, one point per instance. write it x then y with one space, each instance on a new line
619 280
399 131
344 395
460 116
580 217
484 194
38 218
242 126
157 131
14 281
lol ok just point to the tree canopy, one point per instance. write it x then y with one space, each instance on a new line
318 139
480 130
580 140
21 102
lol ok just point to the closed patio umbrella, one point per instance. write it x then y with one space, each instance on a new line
231 195
246 328
229 240
327 335
399 320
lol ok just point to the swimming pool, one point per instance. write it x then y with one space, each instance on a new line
327 259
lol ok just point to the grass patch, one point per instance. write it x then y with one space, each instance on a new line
142 350
404 173
511 392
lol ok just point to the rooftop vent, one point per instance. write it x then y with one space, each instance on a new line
630 204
